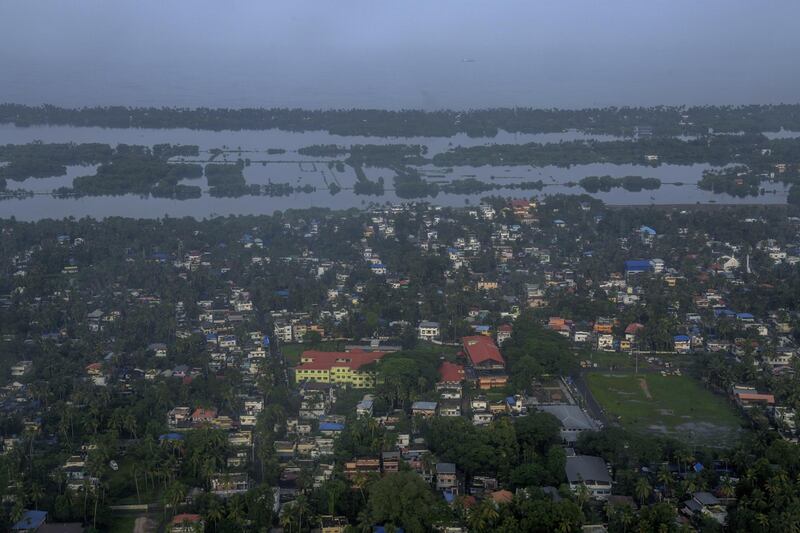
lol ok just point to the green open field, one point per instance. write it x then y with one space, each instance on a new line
677 406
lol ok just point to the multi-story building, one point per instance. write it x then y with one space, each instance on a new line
337 367
428 331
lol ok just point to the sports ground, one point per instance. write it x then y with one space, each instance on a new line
677 406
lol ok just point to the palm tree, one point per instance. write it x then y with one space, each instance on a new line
215 512
665 478
129 424
35 493
726 489
642 489
301 507
626 518
174 495
360 481
482 517
582 494
236 510
287 519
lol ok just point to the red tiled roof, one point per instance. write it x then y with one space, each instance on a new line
481 348
502 496
451 372
505 327
756 396
633 327
186 517
325 360
201 413
468 501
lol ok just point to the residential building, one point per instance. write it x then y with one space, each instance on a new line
186 523
428 331
446 478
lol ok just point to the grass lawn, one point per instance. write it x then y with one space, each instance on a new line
122 524
677 406
610 360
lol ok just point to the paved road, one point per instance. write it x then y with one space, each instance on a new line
590 403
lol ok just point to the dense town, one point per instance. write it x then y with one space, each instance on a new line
532 364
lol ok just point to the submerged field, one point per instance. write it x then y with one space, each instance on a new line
677 406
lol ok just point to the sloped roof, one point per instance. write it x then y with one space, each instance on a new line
451 372
326 360
571 417
480 348
586 468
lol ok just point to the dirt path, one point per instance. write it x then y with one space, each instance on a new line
144 524
645 388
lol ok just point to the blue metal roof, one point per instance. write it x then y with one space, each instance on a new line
32 520
637 265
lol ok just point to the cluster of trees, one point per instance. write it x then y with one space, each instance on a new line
754 149
594 184
366 186
409 184
736 181
40 160
662 120
124 169
533 351
139 170
475 186
523 452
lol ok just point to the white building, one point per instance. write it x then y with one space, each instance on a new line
591 472
428 331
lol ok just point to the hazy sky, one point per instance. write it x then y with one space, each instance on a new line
399 53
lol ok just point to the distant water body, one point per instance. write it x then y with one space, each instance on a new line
446 84
413 54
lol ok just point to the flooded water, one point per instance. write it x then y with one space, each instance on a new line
297 170
264 139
